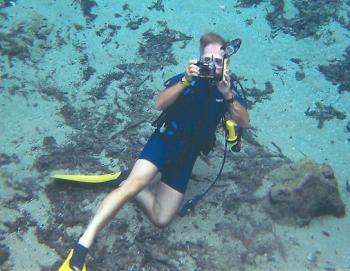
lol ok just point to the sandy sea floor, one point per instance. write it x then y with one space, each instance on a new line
77 77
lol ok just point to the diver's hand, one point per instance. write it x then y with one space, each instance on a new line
191 70
224 86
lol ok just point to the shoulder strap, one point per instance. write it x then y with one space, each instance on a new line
173 80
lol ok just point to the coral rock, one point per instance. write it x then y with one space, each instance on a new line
304 191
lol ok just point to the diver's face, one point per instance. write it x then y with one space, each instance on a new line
214 51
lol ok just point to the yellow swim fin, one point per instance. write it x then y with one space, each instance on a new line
65 266
88 178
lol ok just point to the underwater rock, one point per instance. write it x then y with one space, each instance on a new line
323 113
303 191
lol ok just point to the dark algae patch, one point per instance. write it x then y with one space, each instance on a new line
255 95
99 91
157 5
21 224
324 113
338 71
51 92
6 159
133 21
247 3
108 32
311 16
299 75
86 7
135 24
22 38
27 190
4 253
156 48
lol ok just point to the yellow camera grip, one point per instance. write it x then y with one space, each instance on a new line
225 67
232 136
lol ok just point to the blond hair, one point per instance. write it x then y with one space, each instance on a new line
209 38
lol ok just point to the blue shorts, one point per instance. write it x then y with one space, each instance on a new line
173 158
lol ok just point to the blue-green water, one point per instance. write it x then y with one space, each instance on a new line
78 85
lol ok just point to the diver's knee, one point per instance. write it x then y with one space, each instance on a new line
132 186
162 222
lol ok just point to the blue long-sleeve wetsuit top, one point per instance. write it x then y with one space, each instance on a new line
196 114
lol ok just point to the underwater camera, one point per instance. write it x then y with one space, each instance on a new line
207 67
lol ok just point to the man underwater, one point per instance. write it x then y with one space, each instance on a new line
194 107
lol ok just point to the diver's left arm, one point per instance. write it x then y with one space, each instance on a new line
238 113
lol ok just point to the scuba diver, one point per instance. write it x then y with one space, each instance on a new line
193 103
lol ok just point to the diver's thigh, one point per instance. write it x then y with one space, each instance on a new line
142 171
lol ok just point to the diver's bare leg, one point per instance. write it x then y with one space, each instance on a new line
141 175
162 206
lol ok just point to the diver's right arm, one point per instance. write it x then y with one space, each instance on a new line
170 94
